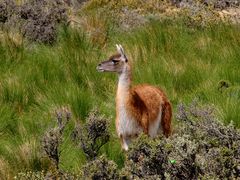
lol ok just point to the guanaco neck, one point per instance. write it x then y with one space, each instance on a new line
124 85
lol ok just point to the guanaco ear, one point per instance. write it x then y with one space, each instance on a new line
121 51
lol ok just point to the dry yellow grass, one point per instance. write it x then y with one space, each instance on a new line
5 169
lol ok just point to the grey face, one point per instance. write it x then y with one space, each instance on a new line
113 64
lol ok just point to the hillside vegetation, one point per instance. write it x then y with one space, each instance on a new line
48 65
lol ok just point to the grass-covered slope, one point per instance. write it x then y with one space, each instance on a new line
186 62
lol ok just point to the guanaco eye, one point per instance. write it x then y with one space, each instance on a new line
114 61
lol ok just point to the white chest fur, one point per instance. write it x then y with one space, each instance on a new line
127 125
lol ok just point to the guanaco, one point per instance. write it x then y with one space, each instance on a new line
142 108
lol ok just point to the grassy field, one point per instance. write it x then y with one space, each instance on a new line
187 63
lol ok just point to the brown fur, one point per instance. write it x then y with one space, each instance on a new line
144 103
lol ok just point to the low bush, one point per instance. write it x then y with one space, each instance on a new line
201 147
93 135
30 175
36 20
53 138
219 4
41 19
100 168
7 8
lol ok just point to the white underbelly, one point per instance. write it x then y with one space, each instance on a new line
127 125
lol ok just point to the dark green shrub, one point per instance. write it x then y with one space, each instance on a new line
92 135
53 138
41 175
7 8
201 147
220 4
99 169
30 175
41 19
37 20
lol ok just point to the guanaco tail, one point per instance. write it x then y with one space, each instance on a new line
142 108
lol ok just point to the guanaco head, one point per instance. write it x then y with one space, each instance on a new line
115 63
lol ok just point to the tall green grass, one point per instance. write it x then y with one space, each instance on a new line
36 79
189 63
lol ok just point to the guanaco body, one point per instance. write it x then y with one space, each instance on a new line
142 108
